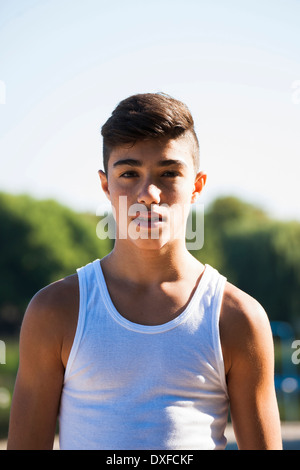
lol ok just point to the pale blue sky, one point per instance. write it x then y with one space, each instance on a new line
65 64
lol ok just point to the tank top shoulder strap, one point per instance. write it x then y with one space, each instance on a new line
216 286
85 274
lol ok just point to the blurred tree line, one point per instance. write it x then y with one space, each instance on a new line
42 241
256 253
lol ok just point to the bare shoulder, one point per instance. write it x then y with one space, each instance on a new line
51 316
244 325
56 297
248 352
48 325
239 307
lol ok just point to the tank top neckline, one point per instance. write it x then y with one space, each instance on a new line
149 329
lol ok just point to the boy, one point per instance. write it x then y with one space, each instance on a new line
146 348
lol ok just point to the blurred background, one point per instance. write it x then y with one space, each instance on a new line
65 65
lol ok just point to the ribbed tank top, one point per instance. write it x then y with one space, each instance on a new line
132 386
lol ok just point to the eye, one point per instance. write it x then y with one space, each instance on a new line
170 173
129 174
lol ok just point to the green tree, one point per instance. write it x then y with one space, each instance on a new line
259 255
265 261
41 241
222 218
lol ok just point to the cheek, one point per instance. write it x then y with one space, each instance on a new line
181 194
116 192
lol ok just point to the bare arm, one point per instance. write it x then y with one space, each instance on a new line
40 376
249 361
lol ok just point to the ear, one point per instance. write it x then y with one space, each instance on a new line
199 184
104 183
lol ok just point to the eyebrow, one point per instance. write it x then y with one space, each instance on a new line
172 162
128 161
161 163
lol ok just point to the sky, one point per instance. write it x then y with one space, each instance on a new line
66 64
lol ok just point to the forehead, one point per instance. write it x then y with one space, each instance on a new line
154 152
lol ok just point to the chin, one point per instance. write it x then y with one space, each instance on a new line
159 245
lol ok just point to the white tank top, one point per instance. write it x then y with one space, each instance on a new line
131 386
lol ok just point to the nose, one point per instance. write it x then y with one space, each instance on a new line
149 194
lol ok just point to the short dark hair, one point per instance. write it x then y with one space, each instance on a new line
148 116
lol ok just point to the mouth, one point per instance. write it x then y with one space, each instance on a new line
149 219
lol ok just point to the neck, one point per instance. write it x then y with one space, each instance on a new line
141 266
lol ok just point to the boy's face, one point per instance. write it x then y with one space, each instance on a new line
151 186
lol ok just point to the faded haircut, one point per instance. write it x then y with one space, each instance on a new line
145 117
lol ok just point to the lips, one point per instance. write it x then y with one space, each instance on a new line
150 216
149 219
